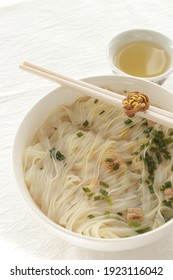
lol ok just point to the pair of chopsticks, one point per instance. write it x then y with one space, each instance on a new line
153 113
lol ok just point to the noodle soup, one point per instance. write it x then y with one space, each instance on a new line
98 173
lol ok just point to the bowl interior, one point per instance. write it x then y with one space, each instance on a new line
39 113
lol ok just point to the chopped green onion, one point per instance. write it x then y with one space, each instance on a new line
86 189
151 178
134 224
103 192
151 190
158 156
106 212
151 165
162 188
102 112
167 203
116 166
158 134
86 123
108 200
167 155
91 216
145 122
147 181
56 154
168 184
172 167
103 184
128 121
144 230
153 147
96 100
97 197
59 156
80 134
148 129
142 146
168 140
119 213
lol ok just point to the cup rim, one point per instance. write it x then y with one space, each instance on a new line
120 72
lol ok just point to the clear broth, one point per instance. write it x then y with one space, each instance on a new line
142 59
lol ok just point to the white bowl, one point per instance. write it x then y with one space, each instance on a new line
39 113
133 35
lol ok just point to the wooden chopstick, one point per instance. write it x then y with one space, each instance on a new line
153 113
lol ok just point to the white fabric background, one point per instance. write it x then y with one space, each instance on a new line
69 36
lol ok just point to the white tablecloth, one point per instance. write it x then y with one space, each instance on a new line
69 36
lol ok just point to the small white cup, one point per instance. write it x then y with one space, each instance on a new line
129 36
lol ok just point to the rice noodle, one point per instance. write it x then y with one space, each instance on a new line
101 171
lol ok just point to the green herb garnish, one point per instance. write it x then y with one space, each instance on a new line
143 230
151 178
106 212
119 213
142 146
56 154
167 203
153 147
108 200
151 190
128 121
166 185
151 165
147 181
148 129
158 156
102 112
167 155
96 100
116 166
168 140
59 156
134 224
103 184
91 216
86 189
103 192
80 134
86 123
145 122
97 197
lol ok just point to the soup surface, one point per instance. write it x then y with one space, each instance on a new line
98 173
142 59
